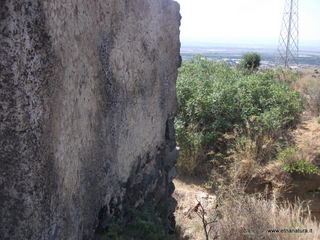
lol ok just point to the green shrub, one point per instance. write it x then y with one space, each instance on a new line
250 61
294 163
215 99
192 144
145 223
301 167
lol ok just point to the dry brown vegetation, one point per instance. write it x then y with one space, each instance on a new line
239 216
309 84
307 138
249 217
187 196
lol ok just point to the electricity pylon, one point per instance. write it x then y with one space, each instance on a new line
288 47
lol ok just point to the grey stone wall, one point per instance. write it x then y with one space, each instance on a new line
87 98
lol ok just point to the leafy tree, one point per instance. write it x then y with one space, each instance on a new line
250 61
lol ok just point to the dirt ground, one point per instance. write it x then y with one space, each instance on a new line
188 196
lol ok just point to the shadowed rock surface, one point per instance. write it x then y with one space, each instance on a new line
87 100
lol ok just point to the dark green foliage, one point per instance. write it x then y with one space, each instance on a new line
143 223
216 99
250 61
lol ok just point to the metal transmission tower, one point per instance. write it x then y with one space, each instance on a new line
289 36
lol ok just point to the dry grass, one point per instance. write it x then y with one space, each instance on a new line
248 156
245 217
307 137
241 216
309 85
312 92
244 160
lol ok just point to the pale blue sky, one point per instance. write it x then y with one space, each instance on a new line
245 21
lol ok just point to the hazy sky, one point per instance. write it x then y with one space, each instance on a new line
244 21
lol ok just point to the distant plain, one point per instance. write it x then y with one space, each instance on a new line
308 57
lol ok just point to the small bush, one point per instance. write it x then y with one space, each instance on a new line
294 163
250 61
318 120
301 167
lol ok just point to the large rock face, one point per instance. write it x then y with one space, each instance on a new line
87 97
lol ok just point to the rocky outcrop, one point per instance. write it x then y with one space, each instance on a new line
87 99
